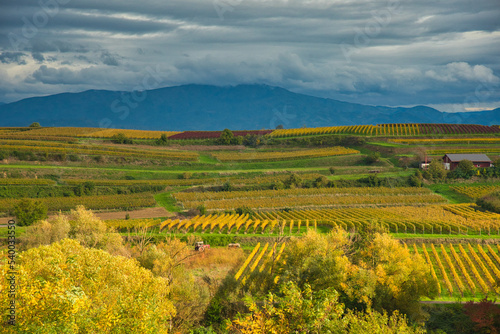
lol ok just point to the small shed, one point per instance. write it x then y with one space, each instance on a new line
479 160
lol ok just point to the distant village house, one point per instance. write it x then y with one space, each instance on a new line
479 160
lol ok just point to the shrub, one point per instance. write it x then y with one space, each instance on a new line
372 158
120 138
244 210
28 211
202 209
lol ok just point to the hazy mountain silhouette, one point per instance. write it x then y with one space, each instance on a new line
204 107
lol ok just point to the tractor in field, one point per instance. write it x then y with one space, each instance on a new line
200 246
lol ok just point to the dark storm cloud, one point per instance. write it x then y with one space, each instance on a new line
395 52
12 57
37 56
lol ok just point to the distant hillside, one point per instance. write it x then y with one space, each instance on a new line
202 107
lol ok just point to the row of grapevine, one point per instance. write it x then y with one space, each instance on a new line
339 192
353 129
60 131
426 141
475 191
86 132
318 200
24 136
235 224
468 266
101 202
431 219
401 129
463 150
216 134
135 134
285 155
262 261
133 223
60 148
247 262
438 129
237 180
23 182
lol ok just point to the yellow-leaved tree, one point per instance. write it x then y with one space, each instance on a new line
81 225
369 270
67 288
305 311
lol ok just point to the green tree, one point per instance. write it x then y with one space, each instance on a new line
321 182
278 185
120 138
35 125
465 169
436 171
163 140
293 181
28 211
244 210
226 137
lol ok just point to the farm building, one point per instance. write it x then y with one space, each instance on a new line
479 160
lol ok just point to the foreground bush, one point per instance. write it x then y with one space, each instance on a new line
67 288
305 311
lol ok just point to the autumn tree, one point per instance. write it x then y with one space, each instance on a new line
88 229
296 310
45 232
67 288
369 271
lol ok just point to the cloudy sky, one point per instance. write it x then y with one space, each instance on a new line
440 53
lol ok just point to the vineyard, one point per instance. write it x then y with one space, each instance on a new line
22 182
463 150
102 202
237 180
70 132
273 156
134 134
133 223
475 192
65 148
261 259
451 219
471 271
423 141
390 130
468 271
216 134
307 197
